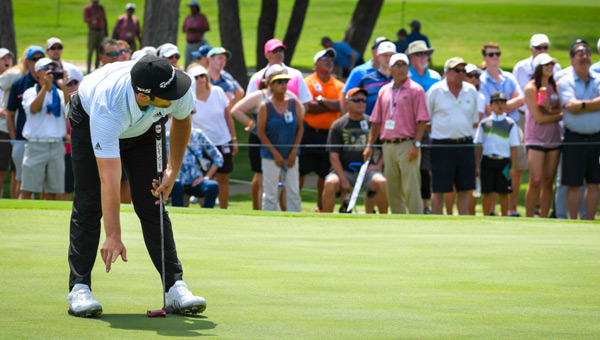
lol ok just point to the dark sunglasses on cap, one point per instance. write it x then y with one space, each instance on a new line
541 48
52 68
420 54
492 54
113 54
278 49
582 51
357 100
54 48
279 81
459 70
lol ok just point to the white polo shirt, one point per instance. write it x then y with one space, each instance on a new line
452 117
302 90
43 124
107 96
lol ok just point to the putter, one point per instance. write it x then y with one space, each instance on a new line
160 313
357 185
281 183
346 199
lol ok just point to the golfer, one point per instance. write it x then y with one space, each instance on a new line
112 119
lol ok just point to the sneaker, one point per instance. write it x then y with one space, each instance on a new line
81 302
181 301
427 211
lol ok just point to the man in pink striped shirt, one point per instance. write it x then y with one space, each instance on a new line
401 108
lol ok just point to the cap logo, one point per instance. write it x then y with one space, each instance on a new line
166 83
146 91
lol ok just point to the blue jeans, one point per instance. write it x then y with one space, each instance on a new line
209 189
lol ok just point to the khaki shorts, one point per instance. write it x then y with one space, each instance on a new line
44 167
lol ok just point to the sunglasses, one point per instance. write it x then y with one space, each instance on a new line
278 49
420 54
499 101
492 54
125 50
357 100
459 70
176 56
280 81
541 48
35 59
582 51
112 54
54 48
202 75
73 83
52 68
472 75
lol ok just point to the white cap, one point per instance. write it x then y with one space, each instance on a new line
470 68
538 39
52 41
543 59
275 68
321 53
129 6
168 51
5 51
598 45
44 62
397 57
197 71
149 50
385 47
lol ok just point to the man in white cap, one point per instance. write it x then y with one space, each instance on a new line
399 118
523 70
44 105
171 53
127 27
373 81
322 111
54 50
114 118
452 104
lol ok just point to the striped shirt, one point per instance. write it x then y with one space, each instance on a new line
497 133
373 82
107 96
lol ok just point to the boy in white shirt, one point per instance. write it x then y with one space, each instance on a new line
43 161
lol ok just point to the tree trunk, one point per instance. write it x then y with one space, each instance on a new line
266 30
363 21
161 21
294 29
231 39
7 27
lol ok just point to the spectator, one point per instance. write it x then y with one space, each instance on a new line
280 130
109 51
72 85
124 51
415 33
596 67
202 55
171 53
217 60
401 43
452 104
197 171
499 154
401 108
373 81
15 114
345 56
352 131
54 50
495 79
148 50
6 61
213 117
542 135
43 160
322 111
127 27
579 93
95 18
194 27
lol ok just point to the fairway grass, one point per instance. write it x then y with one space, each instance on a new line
313 276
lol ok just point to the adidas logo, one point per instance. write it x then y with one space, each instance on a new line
97 147
158 114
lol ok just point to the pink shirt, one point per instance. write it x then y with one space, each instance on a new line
409 105
127 28
90 11
194 27
545 135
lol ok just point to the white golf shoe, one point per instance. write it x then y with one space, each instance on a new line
81 302
181 301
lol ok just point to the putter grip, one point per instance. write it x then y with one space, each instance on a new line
159 156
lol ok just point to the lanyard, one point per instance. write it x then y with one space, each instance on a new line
393 101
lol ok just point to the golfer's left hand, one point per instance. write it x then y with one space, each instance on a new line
165 187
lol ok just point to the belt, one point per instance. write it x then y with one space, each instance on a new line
495 156
457 140
45 140
397 140
320 131
583 134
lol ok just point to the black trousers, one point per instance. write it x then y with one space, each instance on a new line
138 156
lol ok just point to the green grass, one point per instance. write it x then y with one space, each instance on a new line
308 276
453 27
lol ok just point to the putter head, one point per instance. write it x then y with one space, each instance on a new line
159 313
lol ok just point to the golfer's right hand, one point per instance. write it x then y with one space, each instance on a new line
111 249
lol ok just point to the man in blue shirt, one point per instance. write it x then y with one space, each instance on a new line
419 54
345 56
415 33
373 81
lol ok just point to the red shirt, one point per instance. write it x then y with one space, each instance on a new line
127 28
194 27
90 11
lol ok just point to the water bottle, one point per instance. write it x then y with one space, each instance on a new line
542 94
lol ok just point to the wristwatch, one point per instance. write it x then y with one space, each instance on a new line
417 144
583 104
319 98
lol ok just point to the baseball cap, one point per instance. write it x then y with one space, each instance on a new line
194 3
575 44
5 51
386 47
275 68
418 46
45 62
472 67
129 6
598 44
202 51
34 49
272 44
498 95
356 90
280 76
453 62
330 51
155 76
538 39
52 41
325 40
543 59
197 71
399 57
169 51
378 41
219 50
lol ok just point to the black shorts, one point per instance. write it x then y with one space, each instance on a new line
227 167
5 152
317 162
542 149
254 154
69 180
452 164
495 176
580 160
